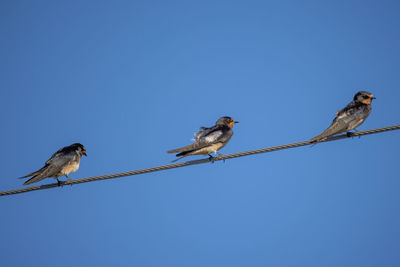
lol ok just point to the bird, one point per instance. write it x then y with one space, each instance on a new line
348 118
208 140
61 163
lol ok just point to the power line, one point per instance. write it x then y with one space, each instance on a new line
193 162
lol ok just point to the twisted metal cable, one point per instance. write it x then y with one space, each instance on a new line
193 162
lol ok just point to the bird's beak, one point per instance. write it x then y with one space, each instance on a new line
373 97
236 122
84 153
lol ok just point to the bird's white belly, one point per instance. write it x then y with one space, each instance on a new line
73 167
208 150
354 124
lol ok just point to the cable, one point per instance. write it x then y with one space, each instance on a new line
193 162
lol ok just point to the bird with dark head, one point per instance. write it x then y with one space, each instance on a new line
208 140
61 163
350 117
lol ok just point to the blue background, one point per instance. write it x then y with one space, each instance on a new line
133 79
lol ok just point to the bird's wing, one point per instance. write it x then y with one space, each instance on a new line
61 152
211 137
202 131
349 110
339 123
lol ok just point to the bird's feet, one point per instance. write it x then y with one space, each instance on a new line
58 182
351 134
211 158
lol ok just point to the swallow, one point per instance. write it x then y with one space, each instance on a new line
61 163
208 140
350 117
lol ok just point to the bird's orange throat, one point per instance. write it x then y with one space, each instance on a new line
366 101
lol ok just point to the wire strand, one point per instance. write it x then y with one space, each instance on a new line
193 162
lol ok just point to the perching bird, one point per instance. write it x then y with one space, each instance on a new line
208 140
63 162
350 117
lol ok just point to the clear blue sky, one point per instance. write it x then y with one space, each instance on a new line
133 79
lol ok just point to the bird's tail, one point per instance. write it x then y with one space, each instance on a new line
37 176
34 179
335 128
180 157
33 173
187 149
184 154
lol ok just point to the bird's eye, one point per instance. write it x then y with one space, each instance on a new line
365 96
